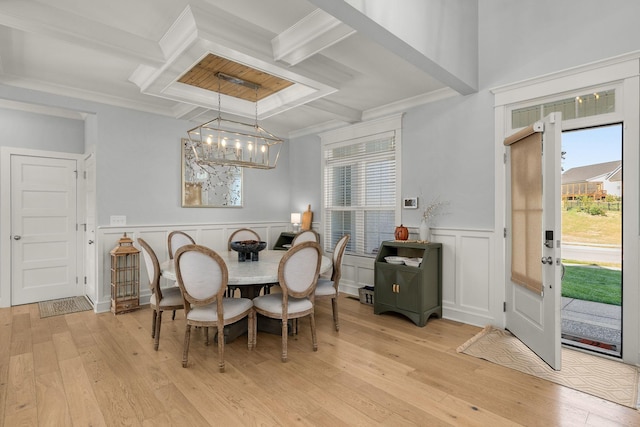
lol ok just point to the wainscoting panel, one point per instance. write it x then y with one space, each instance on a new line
469 290
468 283
214 236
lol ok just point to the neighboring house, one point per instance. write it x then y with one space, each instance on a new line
596 181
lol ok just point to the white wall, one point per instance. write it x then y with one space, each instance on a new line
35 131
305 166
529 38
138 165
448 146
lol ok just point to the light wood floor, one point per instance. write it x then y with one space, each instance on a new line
85 369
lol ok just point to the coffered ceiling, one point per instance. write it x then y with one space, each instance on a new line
320 63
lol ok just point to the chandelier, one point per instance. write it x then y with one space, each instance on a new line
223 142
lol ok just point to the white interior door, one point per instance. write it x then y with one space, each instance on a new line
534 315
43 229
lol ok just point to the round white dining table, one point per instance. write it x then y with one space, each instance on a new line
250 277
247 273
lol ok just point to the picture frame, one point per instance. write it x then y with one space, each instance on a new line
204 186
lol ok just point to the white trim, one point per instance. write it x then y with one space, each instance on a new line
383 125
600 72
358 130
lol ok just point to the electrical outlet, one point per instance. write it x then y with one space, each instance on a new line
118 220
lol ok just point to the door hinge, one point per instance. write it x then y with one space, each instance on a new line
76 172
85 280
76 280
84 174
504 306
505 233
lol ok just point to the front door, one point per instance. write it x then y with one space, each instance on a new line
533 293
43 229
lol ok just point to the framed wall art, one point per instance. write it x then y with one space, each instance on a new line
206 186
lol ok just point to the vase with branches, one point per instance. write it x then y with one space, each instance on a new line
428 215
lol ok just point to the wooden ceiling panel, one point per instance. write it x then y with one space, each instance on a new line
203 75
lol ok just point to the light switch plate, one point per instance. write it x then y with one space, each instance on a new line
118 220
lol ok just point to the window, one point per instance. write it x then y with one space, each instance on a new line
360 191
590 104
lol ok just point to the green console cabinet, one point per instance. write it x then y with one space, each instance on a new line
412 290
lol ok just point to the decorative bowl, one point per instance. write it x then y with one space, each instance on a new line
248 249
413 262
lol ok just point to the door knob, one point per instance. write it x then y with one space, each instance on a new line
17 237
91 242
547 260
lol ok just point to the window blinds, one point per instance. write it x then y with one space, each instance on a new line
360 192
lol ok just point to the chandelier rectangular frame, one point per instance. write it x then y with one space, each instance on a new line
224 142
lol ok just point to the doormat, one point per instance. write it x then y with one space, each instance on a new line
57 307
604 378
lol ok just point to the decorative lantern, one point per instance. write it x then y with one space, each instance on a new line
125 276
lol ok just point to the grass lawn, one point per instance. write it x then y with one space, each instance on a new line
580 227
592 283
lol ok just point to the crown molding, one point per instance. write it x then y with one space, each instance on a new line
41 109
85 95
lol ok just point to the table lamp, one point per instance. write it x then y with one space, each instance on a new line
295 221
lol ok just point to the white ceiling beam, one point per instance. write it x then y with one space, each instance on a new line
430 34
309 36
198 32
40 18
341 112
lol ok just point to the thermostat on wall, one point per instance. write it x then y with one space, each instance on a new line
410 203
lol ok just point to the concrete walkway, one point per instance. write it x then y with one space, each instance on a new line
592 321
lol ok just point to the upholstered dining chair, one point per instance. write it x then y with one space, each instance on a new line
202 277
297 276
328 288
161 299
305 236
242 234
176 240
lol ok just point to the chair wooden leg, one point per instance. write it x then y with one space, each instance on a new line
285 333
206 336
221 348
334 306
314 338
185 351
251 334
158 323
173 316
153 323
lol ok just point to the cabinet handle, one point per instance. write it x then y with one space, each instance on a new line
395 288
